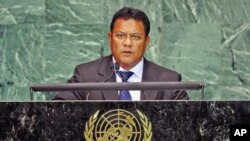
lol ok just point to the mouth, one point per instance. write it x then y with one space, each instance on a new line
126 53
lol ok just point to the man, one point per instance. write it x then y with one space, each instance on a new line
128 38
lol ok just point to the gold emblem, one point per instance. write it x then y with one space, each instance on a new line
118 125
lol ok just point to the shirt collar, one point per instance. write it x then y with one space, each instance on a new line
137 69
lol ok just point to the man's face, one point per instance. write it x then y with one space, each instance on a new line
128 42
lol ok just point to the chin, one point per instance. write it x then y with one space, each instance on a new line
126 65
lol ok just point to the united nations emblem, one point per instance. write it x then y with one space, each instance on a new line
118 125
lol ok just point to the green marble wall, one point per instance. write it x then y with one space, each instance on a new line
205 40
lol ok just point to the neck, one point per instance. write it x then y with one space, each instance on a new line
126 67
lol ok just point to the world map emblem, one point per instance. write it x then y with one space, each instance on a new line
118 125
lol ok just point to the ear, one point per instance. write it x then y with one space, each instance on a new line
110 37
147 41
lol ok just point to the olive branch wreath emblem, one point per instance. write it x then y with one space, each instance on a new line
90 125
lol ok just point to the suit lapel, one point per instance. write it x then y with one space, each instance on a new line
105 70
149 76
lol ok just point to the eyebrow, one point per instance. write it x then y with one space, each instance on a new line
126 33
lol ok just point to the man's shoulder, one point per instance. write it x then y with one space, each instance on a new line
158 68
95 63
161 73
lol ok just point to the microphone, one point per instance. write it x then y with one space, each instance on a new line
114 69
117 66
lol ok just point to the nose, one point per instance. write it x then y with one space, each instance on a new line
127 41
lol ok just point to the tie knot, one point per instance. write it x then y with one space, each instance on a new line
124 75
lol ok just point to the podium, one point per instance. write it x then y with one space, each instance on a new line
121 120
170 120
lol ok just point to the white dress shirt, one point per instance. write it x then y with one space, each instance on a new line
136 77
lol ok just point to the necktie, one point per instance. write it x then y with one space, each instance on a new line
124 75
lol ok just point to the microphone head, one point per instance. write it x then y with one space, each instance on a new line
117 66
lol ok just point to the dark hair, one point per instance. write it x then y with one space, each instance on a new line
131 13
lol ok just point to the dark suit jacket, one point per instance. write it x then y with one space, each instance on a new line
99 70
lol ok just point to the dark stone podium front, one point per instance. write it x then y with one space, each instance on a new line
171 120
